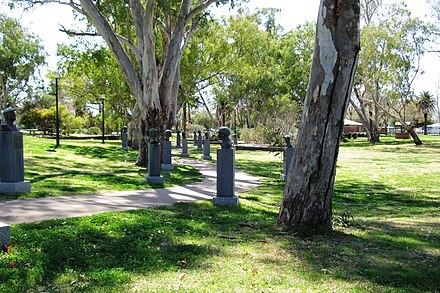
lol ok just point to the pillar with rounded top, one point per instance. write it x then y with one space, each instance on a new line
226 194
154 158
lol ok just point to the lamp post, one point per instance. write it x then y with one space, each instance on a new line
103 121
57 117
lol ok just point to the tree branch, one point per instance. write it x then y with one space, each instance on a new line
71 33
104 29
200 8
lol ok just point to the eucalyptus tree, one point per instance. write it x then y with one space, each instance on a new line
265 83
393 43
147 39
307 200
21 54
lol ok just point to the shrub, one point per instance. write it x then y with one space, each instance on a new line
94 130
261 134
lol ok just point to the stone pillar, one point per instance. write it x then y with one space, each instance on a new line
199 141
178 140
207 147
195 138
154 159
5 234
12 164
166 163
225 171
287 157
124 139
184 145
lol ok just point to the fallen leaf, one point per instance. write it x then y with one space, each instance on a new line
254 270
12 264
182 277
9 248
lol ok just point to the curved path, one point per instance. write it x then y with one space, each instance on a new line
39 209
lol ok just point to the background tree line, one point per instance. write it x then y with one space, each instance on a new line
243 71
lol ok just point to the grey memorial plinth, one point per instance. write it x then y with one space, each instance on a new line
195 138
287 157
5 234
199 141
178 140
184 145
166 163
154 159
207 147
225 171
124 139
11 157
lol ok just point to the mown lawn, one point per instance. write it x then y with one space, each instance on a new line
386 236
87 166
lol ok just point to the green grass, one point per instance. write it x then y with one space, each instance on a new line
386 236
87 167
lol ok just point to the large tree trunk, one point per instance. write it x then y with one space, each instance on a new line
307 200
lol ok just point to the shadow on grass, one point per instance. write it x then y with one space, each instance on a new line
376 258
50 178
110 153
168 239
376 198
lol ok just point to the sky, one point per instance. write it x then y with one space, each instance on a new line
45 22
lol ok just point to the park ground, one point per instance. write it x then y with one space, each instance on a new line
386 235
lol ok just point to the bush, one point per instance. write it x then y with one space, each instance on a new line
261 135
203 118
190 128
94 130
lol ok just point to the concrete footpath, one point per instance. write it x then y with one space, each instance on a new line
39 209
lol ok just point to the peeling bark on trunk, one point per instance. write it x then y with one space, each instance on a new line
307 200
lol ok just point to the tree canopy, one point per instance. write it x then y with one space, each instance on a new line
21 54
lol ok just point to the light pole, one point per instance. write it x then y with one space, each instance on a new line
57 117
103 121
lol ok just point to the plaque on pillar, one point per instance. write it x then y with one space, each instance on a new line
11 157
226 194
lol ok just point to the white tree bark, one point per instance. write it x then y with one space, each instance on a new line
307 200
154 86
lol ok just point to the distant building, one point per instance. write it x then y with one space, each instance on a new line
434 129
351 126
